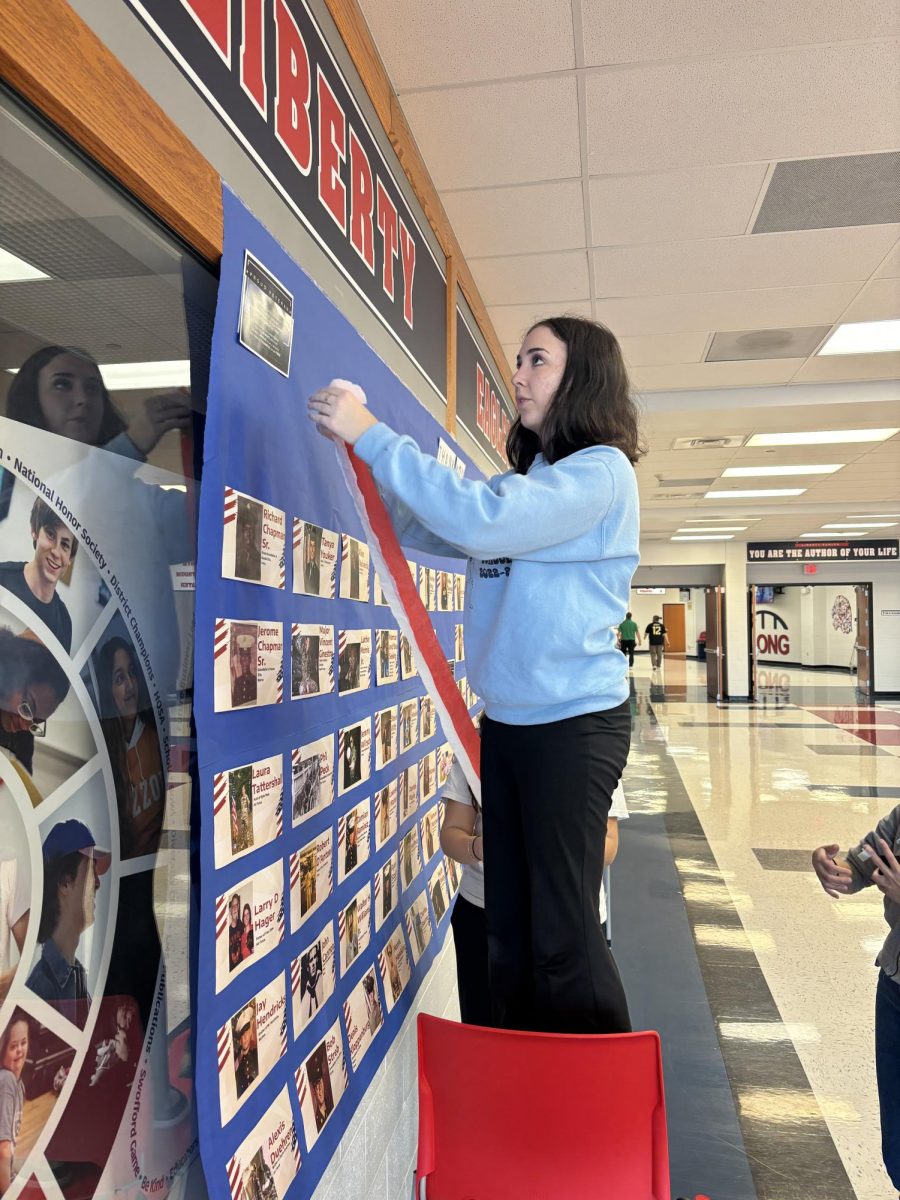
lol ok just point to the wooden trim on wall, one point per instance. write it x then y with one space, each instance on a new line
450 421
354 31
59 65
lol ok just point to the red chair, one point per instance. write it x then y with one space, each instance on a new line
539 1116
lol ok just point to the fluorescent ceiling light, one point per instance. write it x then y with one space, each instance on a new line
17 270
710 520
757 494
834 537
750 472
720 529
821 437
874 515
703 537
123 377
861 525
864 337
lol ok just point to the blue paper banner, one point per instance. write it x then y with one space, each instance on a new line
324 894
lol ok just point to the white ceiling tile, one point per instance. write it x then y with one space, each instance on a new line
890 268
713 375
767 260
818 100
498 133
878 301
622 31
767 308
674 205
850 366
533 278
425 43
667 348
517 220
513 320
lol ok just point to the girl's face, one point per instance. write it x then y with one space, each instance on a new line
124 684
38 698
70 393
16 1049
539 368
248 916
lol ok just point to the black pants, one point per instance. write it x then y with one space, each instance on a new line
627 648
546 792
470 941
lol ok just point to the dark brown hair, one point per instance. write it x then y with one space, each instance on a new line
23 404
593 405
43 517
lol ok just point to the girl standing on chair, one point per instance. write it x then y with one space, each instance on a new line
552 547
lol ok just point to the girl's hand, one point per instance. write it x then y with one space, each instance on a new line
338 412
886 875
835 877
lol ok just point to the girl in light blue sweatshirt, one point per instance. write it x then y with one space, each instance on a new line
552 546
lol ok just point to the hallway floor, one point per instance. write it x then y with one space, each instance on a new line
762 986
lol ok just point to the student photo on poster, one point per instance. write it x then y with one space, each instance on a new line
312 979
394 966
116 680
36 581
74 906
312 876
249 922
240 803
248 539
34 1066
354 660
245 1048
38 713
409 725
267 1160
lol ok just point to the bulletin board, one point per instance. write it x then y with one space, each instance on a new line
324 893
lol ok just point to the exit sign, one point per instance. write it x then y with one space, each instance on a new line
809 568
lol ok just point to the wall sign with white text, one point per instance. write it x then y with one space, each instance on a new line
837 550
267 72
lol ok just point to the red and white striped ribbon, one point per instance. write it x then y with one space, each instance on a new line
410 613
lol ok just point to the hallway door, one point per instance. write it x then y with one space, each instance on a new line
673 619
863 645
715 643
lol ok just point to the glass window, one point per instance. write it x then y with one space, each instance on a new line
105 327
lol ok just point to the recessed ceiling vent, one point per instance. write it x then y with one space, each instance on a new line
710 443
832 193
756 344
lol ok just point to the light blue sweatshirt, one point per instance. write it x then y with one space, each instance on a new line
551 556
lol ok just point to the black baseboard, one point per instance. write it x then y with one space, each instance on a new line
798 666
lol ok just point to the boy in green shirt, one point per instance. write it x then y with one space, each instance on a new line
628 632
